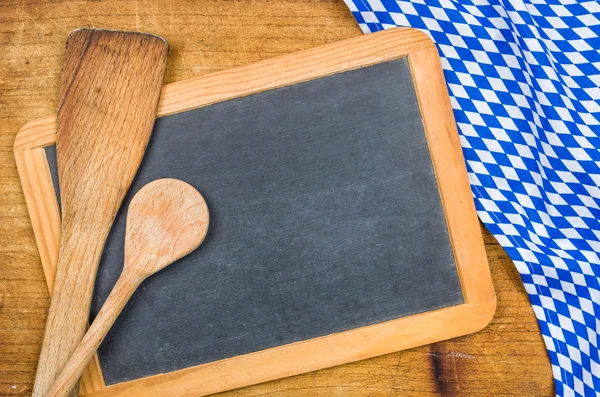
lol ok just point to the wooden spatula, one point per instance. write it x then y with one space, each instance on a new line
109 91
167 219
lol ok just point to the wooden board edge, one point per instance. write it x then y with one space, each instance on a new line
451 174
292 68
36 134
314 354
42 205
92 378
260 76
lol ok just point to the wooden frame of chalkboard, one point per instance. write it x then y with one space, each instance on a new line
330 350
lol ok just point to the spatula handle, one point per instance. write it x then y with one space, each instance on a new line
114 304
70 299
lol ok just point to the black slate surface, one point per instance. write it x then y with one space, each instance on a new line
325 216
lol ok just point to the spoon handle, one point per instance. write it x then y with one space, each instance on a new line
114 304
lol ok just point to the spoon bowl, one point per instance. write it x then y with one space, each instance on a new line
167 219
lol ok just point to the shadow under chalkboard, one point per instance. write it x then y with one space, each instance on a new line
325 216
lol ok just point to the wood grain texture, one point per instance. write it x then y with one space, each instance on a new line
109 91
48 220
377 339
256 77
450 169
507 358
166 220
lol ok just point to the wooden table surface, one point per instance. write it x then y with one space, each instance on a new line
507 358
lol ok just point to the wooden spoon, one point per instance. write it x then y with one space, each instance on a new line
167 220
109 91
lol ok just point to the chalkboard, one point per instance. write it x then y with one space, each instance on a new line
342 220
325 216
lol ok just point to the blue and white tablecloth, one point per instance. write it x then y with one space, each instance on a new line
524 81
